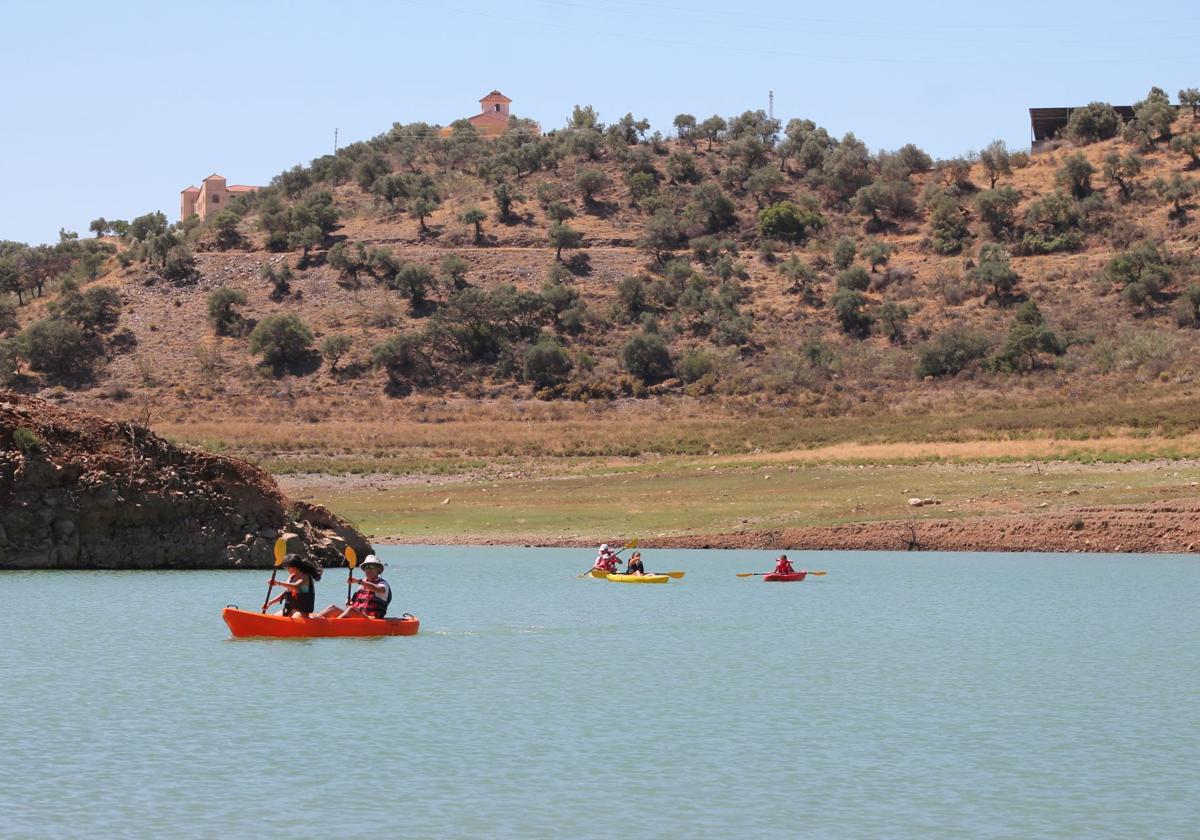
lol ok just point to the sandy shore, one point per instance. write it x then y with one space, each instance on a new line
1156 527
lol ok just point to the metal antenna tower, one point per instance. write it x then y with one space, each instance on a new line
335 132
771 104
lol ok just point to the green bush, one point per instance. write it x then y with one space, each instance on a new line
404 358
1028 339
1095 121
844 251
949 225
222 311
695 364
281 340
995 270
951 351
8 318
58 348
848 307
1187 308
1141 271
856 277
789 221
27 441
547 364
647 358
334 347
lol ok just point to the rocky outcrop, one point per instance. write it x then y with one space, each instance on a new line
81 492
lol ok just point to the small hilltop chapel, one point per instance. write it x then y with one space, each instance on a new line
493 116
211 197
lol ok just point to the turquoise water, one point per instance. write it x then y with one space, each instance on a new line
903 695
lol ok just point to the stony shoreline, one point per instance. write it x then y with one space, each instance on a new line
1171 527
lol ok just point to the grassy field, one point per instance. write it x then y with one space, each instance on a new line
699 497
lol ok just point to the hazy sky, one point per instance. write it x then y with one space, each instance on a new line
111 109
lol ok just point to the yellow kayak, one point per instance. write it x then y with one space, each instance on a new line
598 573
638 578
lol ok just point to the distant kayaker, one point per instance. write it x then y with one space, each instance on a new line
299 595
606 560
634 566
783 566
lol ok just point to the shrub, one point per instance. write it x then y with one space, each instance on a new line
179 266
414 280
1141 271
563 236
1187 308
8 318
95 311
1075 175
547 364
1028 338
695 364
997 208
632 296
27 441
949 224
1093 122
891 318
591 181
950 352
789 221
646 357
58 348
222 311
856 278
281 340
995 270
848 306
996 161
844 250
334 347
404 358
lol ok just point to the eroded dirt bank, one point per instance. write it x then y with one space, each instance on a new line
81 492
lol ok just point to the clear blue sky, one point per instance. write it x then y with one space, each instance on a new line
111 109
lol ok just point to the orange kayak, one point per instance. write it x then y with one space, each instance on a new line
243 623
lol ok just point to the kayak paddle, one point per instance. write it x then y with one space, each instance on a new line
280 553
351 561
631 544
760 574
676 575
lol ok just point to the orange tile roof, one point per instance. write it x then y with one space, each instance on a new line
191 190
489 117
215 176
242 188
497 95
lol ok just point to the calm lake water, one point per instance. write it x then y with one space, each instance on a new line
903 695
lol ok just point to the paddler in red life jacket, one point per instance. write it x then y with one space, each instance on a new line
783 566
607 560
374 593
299 595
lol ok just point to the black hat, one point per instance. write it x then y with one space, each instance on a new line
303 564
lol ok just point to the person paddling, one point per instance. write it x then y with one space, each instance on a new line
299 595
606 561
374 593
783 566
634 566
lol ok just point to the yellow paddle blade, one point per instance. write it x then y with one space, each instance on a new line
280 550
746 574
351 557
631 544
818 574
676 575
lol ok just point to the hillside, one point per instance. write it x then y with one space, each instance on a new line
707 278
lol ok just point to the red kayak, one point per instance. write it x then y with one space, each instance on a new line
792 576
243 624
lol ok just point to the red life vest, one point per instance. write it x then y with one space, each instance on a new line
784 567
371 604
